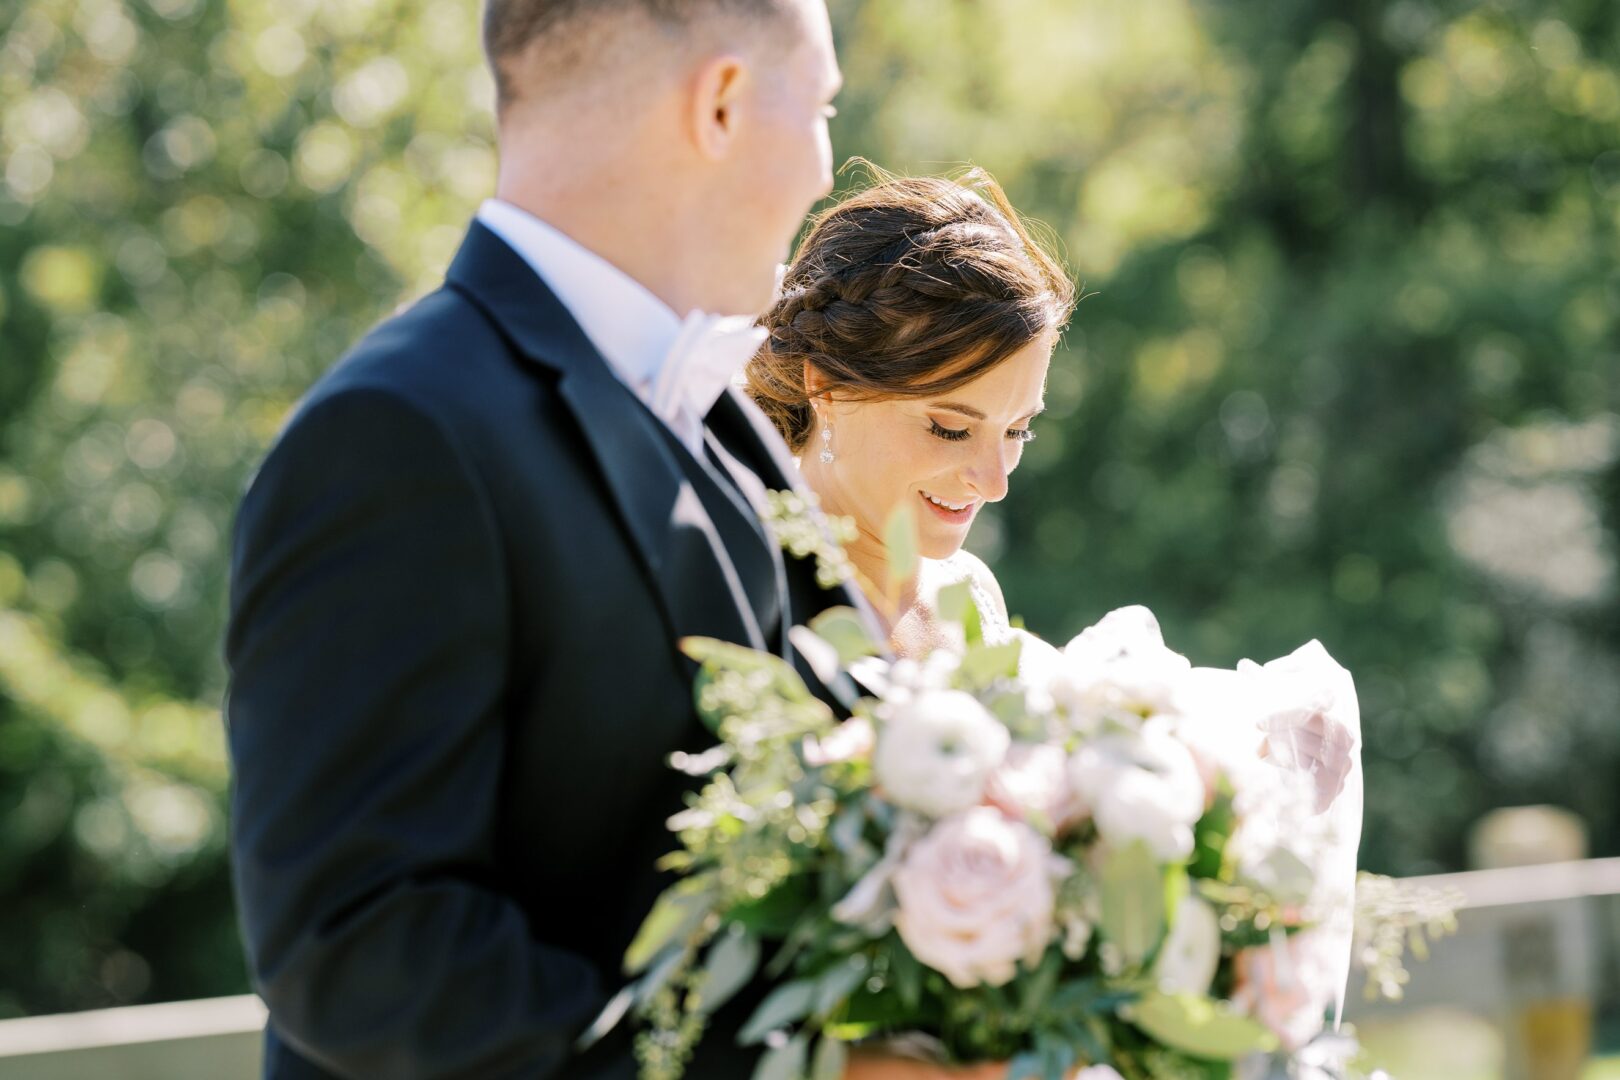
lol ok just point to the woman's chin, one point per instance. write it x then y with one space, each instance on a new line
940 544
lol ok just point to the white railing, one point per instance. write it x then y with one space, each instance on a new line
213 1039
1532 940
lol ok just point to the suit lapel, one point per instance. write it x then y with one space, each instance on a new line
699 591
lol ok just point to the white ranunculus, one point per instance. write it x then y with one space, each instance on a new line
1119 670
1217 720
1141 785
1098 1072
1040 665
1189 956
976 896
936 752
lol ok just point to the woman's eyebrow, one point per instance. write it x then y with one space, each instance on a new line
957 407
972 413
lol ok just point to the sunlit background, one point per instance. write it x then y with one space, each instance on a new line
1348 369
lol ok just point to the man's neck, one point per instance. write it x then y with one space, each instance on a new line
606 208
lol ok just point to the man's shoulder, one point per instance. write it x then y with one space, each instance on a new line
436 365
439 354
423 341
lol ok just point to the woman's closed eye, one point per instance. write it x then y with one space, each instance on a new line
939 431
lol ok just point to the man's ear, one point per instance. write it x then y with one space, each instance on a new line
717 97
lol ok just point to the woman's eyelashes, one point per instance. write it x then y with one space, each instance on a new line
936 429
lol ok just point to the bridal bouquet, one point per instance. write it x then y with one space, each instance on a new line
1086 857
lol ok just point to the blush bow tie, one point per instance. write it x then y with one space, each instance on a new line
707 356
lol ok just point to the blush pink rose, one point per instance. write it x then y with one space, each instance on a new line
976 896
1287 985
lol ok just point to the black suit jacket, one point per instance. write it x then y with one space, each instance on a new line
457 585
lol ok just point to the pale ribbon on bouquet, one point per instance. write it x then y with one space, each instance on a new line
1322 739
1299 714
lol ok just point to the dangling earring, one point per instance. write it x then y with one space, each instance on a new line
826 445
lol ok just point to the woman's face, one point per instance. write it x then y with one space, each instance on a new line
945 457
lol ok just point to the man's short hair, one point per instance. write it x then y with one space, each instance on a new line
512 27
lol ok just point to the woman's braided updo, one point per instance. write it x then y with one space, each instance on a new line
908 288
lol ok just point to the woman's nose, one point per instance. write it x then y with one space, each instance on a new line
991 467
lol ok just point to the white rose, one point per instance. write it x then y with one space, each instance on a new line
1033 784
936 752
1119 670
1143 786
1189 956
976 896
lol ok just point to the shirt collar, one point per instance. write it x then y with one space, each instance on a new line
630 327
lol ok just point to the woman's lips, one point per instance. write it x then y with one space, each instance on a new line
953 517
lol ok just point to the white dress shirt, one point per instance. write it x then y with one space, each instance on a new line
677 367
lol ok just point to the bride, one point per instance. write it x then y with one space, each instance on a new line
905 365
906 361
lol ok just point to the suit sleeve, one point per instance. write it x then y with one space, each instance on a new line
368 654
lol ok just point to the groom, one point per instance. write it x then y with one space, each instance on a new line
460 576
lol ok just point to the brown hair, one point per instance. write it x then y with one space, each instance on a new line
909 288
512 26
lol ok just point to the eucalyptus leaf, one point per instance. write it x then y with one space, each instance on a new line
830 1060
906 972
667 964
776 914
984 664
726 656
845 630
847 829
786 1004
731 962
675 914
785 1062
1211 836
1198 1025
1133 914
711 717
608 1019
1056 1057
839 982
1091 1037
954 604
1026 1066
900 541
1039 986
1177 885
